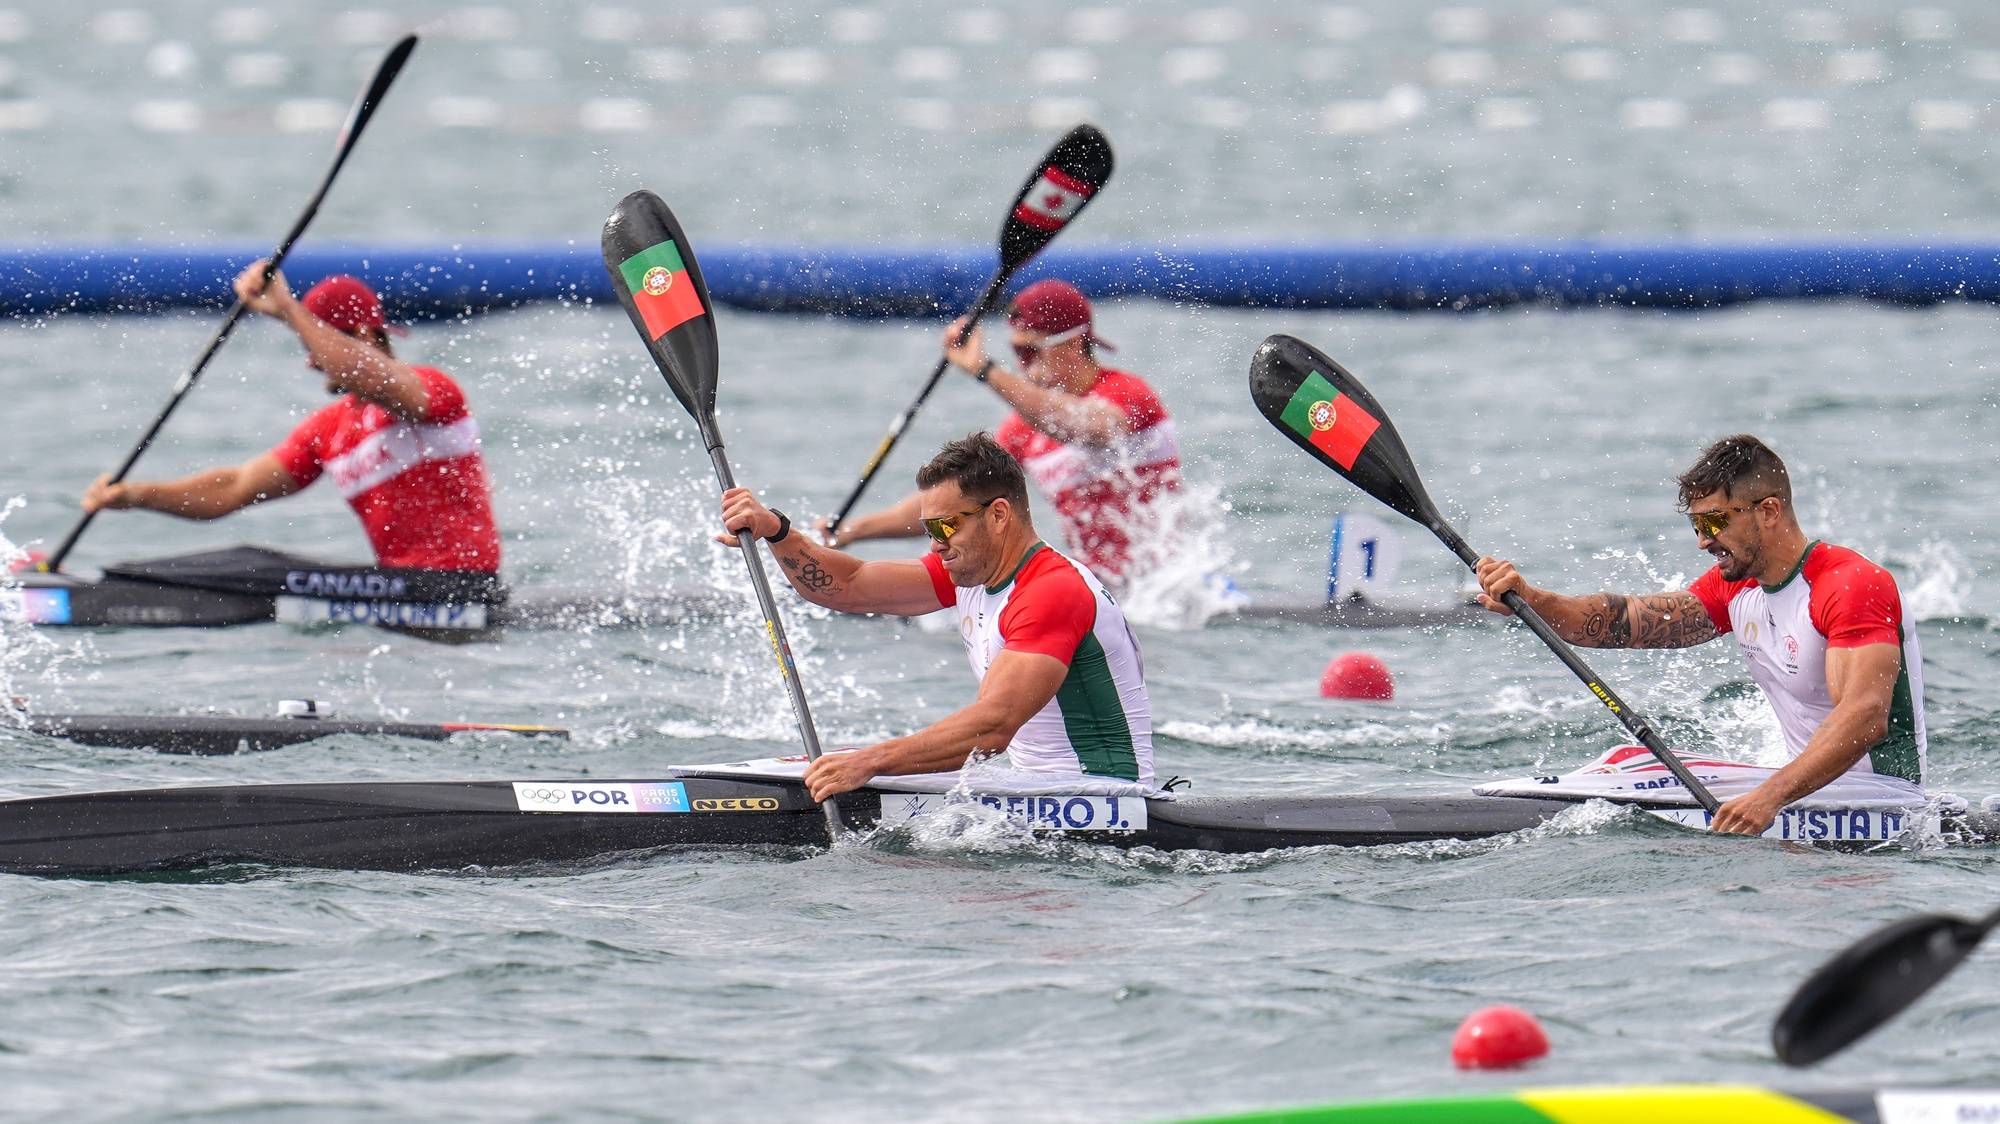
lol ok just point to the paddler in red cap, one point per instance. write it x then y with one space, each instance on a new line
400 444
1096 441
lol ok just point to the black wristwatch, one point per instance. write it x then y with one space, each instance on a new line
985 369
784 528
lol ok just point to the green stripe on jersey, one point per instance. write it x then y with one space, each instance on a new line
1896 754
1094 716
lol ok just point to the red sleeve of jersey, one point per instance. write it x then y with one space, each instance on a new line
445 402
1133 398
1049 615
299 452
1714 595
1013 436
1854 603
940 581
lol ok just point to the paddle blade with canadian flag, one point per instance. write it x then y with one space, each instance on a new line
1327 412
654 271
1068 179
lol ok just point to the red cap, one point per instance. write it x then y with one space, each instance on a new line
1054 307
347 303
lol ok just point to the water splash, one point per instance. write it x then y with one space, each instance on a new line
1182 571
27 654
1940 579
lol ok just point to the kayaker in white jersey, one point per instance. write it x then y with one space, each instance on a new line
1062 688
1823 628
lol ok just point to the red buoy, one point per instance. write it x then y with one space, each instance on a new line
1357 675
1499 1037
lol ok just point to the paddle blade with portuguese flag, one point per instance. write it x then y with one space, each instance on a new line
1328 413
653 269
1068 179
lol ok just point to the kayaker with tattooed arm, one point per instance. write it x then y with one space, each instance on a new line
1823 628
1062 687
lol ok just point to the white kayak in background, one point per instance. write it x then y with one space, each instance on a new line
1858 807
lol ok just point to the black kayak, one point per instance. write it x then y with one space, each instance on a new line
454 825
215 734
248 584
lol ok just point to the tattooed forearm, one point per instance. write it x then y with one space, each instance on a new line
1669 620
807 575
815 577
1607 626
1655 620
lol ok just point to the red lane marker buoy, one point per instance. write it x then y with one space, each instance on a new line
1499 1037
1357 675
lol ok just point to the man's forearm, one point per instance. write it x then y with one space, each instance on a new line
898 522
205 495
820 574
1672 619
942 746
359 369
1843 739
1062 416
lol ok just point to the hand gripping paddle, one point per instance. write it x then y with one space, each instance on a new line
1328 413
1065 182
653 269
357 120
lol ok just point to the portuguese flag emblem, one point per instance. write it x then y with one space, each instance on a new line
1331 421
660 288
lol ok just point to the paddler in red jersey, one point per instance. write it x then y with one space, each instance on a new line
1062 685
1825 632
1096 441
400 444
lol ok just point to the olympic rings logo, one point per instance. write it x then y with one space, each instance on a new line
546 795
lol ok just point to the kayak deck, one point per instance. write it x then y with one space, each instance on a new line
413 826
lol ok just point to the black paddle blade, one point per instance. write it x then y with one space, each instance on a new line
1867 984
653 269
385 74
1064 184
1328 413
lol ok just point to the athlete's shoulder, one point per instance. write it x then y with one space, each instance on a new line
1716 592
1013 434
1132 394
447 399
1854 601
1825 560
1051 607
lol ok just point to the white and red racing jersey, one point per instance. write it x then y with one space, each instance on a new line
1100 492
1834 599
419 486
1100 721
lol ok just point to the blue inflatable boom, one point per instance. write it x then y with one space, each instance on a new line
426 281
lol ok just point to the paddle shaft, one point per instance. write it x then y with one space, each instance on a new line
1633 720
774 628
363 110
980 308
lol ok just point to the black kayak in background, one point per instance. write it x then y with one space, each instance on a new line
248 584
215 734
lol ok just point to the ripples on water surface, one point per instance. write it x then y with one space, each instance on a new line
967 974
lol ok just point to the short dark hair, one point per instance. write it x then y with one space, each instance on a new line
982 470
1740 467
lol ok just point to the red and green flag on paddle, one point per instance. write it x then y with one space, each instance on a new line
661 291
1331 421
